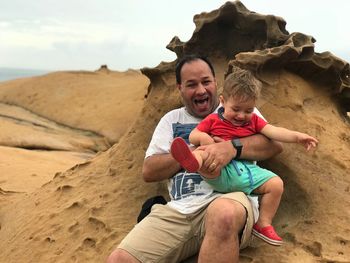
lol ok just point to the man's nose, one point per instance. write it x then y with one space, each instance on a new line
201 89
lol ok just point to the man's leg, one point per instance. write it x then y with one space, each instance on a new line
120 255
162 236
225 219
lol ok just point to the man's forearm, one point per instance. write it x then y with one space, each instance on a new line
159 167
258 147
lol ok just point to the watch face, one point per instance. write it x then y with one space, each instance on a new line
237 143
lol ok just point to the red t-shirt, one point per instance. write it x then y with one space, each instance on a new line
216 126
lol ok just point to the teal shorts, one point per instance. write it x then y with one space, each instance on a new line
243 176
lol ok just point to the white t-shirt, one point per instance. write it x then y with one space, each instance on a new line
188 191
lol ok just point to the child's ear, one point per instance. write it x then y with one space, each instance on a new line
222 100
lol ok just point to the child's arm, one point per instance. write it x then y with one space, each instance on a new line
200 138
285 135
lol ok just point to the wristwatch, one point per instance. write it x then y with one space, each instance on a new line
238 146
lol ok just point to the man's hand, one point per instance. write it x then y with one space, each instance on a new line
256 147
219 155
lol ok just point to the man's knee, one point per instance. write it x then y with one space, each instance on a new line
120 255
226 216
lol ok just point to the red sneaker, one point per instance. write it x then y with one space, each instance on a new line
183 155
268 234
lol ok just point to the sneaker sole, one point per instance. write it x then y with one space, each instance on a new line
183 155
266 239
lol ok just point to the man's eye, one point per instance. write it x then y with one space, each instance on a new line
206 82
191 85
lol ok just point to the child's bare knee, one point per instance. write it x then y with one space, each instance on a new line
277 185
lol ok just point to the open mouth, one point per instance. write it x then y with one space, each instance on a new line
201 101
239 122
202 105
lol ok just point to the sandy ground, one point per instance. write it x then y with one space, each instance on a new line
24 170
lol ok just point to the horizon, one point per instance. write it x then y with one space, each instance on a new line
16 73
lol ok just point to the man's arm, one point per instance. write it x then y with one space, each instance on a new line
256 148
159 167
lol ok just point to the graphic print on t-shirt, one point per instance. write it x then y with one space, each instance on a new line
185 184
183 130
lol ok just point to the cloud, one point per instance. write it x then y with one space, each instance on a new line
81 43
66 34
44 33
71 53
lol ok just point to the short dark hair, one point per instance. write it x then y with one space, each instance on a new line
186 59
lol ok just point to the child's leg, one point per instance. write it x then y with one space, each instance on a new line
200 156
272 191
191 161
271 196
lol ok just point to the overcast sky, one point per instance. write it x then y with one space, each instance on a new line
83 34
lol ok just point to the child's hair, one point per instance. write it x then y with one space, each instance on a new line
241 83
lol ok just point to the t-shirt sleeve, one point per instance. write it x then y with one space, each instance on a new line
257 112
205 125
259 122
161 138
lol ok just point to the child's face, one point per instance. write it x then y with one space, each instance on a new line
238 111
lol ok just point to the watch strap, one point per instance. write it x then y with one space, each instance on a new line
238 146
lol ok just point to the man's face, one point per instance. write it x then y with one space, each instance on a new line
198 88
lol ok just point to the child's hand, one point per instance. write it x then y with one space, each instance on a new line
308 141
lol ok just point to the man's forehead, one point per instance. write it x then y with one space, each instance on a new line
195 64
196 70
201 78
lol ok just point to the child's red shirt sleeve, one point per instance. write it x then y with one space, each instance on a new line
258 122
206 123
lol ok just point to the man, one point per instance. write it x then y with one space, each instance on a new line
197 219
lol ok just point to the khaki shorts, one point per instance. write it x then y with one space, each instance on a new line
166 235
